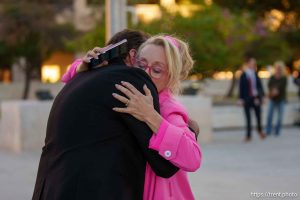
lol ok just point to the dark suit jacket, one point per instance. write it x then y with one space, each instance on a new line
244 88
92 152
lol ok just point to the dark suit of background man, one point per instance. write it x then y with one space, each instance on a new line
251 96
92 152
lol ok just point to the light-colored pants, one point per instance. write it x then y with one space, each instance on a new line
279 106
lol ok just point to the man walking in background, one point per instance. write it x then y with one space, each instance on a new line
251 96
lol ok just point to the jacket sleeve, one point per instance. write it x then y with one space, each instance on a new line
143 133
177 143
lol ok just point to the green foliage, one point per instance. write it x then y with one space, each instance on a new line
5 57
260 6
96 2
131 2
220 39
288 29
217 38
88 40
28 29
269 49
293 39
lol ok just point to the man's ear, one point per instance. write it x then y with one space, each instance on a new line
132 56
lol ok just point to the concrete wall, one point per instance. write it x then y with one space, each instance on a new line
200 109
23 124
14 91
220 87
209 87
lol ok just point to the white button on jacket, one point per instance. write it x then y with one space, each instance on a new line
168 153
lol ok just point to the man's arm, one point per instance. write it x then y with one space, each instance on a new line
142 132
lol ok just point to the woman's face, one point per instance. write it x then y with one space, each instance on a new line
278 70
153 60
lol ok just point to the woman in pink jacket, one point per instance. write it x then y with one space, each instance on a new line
167 60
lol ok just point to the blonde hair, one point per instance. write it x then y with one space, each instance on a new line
178 56
281 66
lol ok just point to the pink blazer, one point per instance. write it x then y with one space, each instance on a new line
175 142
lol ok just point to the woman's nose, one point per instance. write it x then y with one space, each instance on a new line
148 70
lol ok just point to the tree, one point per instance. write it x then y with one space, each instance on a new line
260 7
87 41
29 30
269 49
218 38
6 59
293 40
289 25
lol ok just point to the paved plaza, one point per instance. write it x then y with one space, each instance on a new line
231 169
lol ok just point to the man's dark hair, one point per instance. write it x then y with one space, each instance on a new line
134 39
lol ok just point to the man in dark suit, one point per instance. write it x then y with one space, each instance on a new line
251 96
92 152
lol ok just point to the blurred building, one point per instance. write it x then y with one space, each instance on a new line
148 12
85 17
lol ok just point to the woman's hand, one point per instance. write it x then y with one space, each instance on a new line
138 105
89 55
194 126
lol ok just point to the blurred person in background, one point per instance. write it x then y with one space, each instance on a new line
277 97
297 82
251 96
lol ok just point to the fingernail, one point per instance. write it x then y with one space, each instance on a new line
114 94
117 85
123 82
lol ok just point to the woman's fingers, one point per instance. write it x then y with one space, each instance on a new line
122 110
86 59
120 98
131 88
92 54
124 90
147 91
99 50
